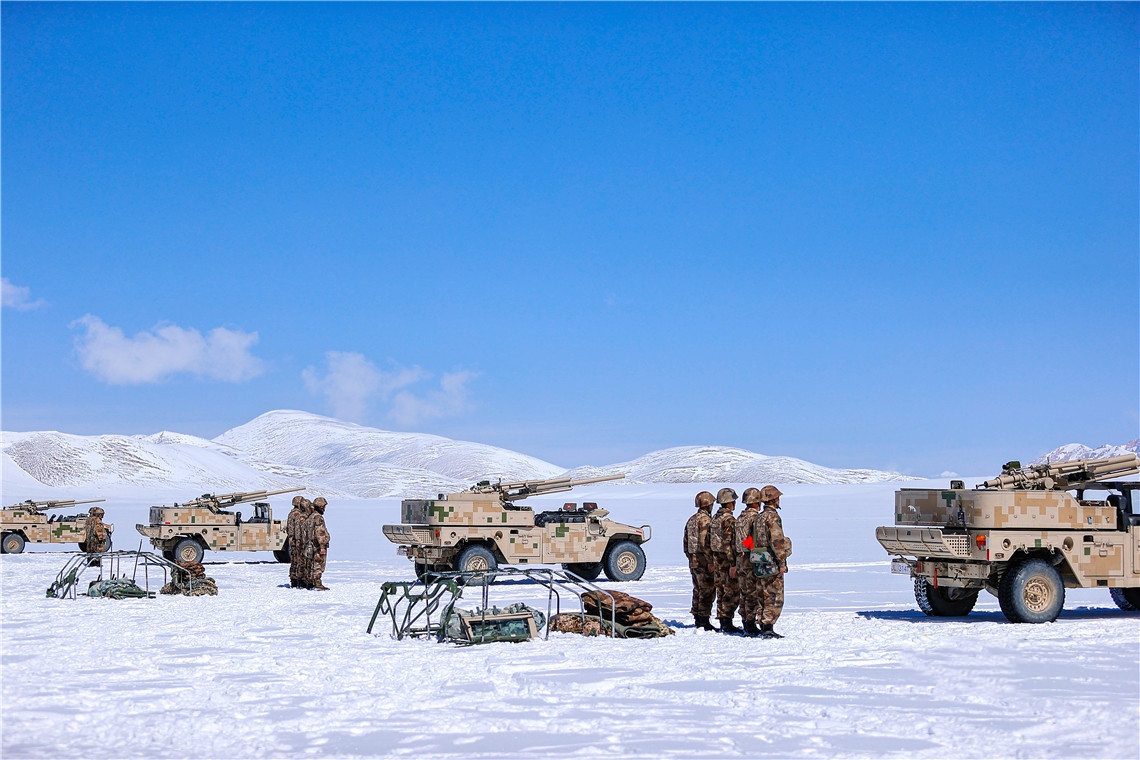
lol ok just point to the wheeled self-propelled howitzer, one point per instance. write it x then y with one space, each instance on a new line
483 527
185 531
26 522
1024 536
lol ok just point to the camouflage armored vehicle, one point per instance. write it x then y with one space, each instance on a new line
26 522
184 532
482 528
1023 537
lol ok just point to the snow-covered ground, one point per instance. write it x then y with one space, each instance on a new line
263 670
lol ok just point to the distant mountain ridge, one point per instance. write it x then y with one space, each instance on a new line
283 448
1071 451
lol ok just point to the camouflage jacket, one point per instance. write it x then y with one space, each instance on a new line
768 533
317 532
293 524
744 525
94 533
722 540
696 541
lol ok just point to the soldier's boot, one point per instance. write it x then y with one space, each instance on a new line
767 632
703 622
750 628
319 586
727 626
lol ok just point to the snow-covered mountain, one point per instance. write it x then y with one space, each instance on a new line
721 464
284 449
1071 451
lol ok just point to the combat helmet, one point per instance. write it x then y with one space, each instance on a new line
770 493
725 496
704 500
751 496
320 503
298 500
96 512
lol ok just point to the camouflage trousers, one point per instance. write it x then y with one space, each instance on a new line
298 570
317 568
704 585
749 589
771 599
727 589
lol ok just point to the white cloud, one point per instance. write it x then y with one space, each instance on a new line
448 401
17 297
153 356
948 474
351 383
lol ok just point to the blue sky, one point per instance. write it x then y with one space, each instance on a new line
897 236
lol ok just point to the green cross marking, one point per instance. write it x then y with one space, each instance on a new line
948 496
561 531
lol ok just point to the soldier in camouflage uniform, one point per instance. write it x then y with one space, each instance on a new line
768 532
317 534
698 550
722 543
749 587
293 526
94 531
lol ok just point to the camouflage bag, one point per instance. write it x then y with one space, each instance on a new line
764 564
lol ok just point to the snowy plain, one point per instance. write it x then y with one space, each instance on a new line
262 670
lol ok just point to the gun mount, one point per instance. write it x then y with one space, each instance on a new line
35 507
1062 476
218 503
523 489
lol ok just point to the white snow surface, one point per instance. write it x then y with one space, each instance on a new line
1071 451
284 449
709 464
262 670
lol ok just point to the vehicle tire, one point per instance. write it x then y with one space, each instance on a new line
587 571
625 561
12 543
282 554
1031 592
1126 598
188 550
944 601
476 557
108 545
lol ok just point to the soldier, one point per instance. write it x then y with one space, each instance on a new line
749 588
701 566
722 544
768 532
300 511
94 531
318 537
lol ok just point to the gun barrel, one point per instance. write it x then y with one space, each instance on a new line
601 479
1063 473
53 503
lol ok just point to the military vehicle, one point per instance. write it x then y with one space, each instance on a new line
483 527
26 522
1023 537
184 532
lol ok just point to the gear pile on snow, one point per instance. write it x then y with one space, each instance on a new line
191 580
633 617
116 588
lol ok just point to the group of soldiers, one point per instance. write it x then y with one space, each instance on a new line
308 538
722 551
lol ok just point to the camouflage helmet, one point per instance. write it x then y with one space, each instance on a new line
770 493
297 500
704 500
725 496
97 512
751 496
320 502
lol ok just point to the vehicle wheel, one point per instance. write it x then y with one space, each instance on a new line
944 601
13 543
1126 598
108 545
188 550
1031 592
587 571
625 561
282 554
475 558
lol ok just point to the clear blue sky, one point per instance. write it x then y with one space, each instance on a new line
895 235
